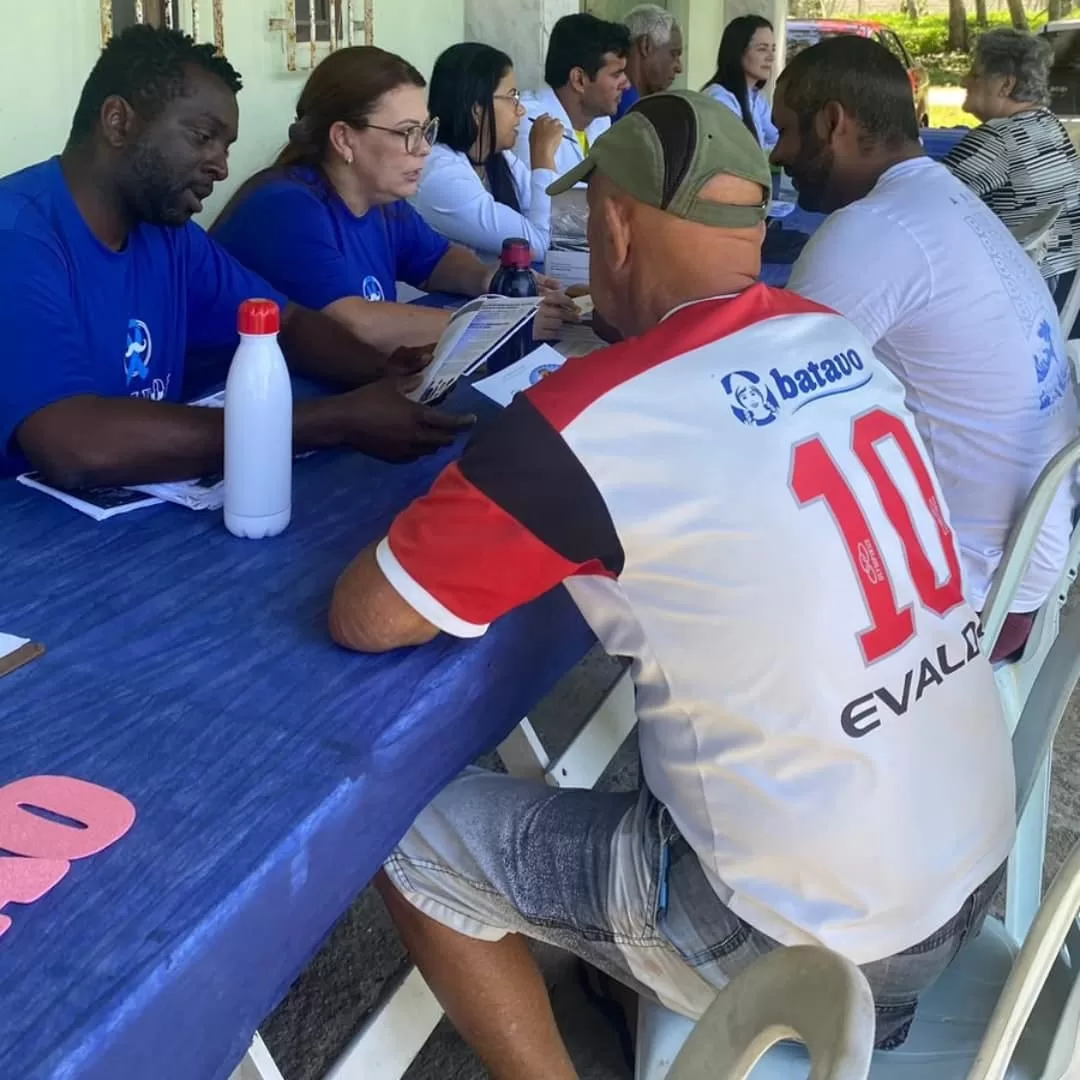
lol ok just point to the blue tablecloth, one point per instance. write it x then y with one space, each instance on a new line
272 772
937 142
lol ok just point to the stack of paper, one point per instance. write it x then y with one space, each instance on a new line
98 503
475 332
202 493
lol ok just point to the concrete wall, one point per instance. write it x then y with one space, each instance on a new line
53 44
520 28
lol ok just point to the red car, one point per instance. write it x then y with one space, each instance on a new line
802 33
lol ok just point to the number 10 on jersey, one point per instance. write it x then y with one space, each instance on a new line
815 475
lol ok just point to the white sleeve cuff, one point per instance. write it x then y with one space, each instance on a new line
420 600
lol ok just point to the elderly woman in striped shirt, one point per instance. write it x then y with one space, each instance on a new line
1020 160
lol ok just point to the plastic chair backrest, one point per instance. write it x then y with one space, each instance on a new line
1071 308
804 992
1033 232
1045 705
1029 524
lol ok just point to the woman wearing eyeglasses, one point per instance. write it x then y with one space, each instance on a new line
329 225
474 189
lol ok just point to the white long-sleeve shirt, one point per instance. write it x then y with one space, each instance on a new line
570 152
760 113
453 200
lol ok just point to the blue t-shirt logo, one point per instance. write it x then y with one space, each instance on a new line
372 289
137 353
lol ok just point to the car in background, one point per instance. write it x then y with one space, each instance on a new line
1064 38
802 33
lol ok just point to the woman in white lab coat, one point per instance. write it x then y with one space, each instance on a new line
474 189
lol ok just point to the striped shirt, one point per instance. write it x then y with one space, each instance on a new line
1020 166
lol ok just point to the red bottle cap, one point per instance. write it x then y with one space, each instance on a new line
259 317
516 254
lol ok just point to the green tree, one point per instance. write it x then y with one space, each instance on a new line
958 27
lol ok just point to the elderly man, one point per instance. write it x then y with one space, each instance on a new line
738 501
655 59
949 300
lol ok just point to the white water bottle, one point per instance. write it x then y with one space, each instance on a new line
258 427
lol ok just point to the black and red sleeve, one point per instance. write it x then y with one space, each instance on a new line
518 515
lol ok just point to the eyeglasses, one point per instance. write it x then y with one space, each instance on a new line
416 136
511 95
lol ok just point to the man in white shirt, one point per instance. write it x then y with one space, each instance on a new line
951 303
585 76
738 500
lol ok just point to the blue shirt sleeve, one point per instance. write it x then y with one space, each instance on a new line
44 354
217 285
630 97
417 247
285 233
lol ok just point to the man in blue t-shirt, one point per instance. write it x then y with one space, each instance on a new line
106 283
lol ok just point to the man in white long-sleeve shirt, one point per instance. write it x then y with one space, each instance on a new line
585 76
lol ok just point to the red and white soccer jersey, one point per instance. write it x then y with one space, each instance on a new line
739 501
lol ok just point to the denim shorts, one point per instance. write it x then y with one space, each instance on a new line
608 877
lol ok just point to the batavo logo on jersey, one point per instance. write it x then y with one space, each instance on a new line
864 714
756 402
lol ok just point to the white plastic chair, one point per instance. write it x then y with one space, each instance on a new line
993 1015
805 993
1015 680
1069 311
1032 235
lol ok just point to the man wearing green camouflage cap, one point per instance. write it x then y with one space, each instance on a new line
823 754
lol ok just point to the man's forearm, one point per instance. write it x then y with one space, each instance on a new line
321 348
460 271
107 442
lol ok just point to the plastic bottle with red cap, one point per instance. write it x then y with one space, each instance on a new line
258 427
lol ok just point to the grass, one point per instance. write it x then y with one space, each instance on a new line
947 116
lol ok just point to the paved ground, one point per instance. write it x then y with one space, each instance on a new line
328 1003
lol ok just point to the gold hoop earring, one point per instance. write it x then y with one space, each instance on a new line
348 157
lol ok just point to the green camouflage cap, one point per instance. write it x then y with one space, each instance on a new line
668 147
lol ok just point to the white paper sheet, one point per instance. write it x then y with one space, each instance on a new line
9 643
520 375
578 339
567 267
475 332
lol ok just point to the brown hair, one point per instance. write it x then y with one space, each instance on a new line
346 86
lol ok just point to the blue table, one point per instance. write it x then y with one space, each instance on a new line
271 772
937 142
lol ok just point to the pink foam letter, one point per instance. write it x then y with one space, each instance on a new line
22 881
105 814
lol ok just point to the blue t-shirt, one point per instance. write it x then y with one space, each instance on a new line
295 230
630 97
77 318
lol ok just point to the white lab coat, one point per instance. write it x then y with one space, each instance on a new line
569 153
453 200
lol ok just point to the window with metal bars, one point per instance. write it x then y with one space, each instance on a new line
127 13
321 11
